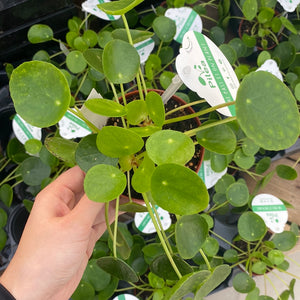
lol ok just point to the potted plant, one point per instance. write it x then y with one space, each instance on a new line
156 155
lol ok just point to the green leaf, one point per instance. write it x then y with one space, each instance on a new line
120 7
253 295
218 162
104 37
39 33
33 171
115 141
285 240
90 37
132 207
152 65
219 139
121 61
237 194
259 267
187 284
105 107
95 276
62 149
263 165
80 44
76 62
155 108
249 9
231 256
178 190
84 291
3 217
141 179
210 246
40 93
109 290
41 55
251 226
286 53
265 15
164 28
242 160
249 147
87 154
288 25
276 257
104 183
243 283
33 146
229 53
223 183
136 112
28 204
286 172
117 268
145 131
239 47
155 281
217 35
162 267
136 35
165 79
190 233
262 57
219 274
260 92
6 194
94 58
47 158
3 238
169 146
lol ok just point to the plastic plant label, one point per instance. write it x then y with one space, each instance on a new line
71 127
125 297
24 131
91 7
289 5
270 65
186 19
144 223
272 210
144 49
208 175
205 70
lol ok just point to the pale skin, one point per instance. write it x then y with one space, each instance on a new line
57 241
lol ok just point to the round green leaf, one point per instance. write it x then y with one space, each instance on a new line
104 183
276 257
190 232
87 154
262 57
41 55
121 61
165 79
239 47
164 28
162 267
231 256
94 58
251 226
178 190
80 44
136 112
155 108
155 281
286 172
76 62
90 37
3 238
285 240
263 165
115 141
84 291
3 218
218 162
136 35
219 139
33 146
223 183
249 9
47 158
286 52
117 268
217 35
40 93
237 194
6 194
166 54
229 53
105 107
109 290
210 246
168 146
39 33
243 283
259 267
103 38
249 147
260 92
33 171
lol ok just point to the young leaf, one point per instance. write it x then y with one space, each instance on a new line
94 58
249 9
6 194
40 93
286 172
120 7
164 28
136 112
104 183
75 62
105 107
155 108
237 194
169 146
263 165
39 33
136 35
3 218
260 92
178 190
285 240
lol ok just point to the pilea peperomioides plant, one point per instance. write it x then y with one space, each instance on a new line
266 111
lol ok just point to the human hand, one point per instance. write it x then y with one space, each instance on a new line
57 241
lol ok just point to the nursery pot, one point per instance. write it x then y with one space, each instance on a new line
196 161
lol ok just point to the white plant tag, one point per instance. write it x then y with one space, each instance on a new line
270 65
272 210
126 297
63 48
204 69
289 5
91 7
24 131
71 127
208 175
144 49
186 19
144 223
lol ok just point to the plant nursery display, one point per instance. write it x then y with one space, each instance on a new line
107 101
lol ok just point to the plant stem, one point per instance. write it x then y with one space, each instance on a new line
217 207
5 164
81 84
107 222
296 163
293 261
128 186
140 89
184 106
116 227
117 100
194 131
273 286
159 48
143 81
160 236
205 259
16 183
